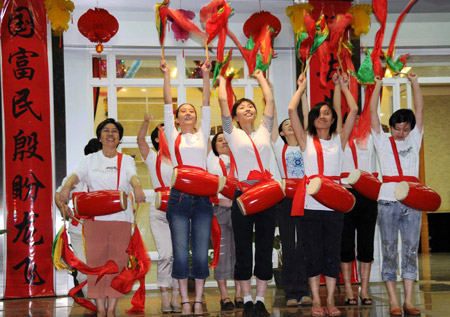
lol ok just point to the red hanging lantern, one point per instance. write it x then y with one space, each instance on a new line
254 24
99 26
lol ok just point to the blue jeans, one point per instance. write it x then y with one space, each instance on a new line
392 216
189 219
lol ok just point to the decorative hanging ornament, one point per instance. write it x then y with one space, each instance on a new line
98 26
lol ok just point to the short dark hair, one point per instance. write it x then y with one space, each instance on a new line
403 115
280 129
315 113
155 135
93 146
238 103
178 109
213 143
107 121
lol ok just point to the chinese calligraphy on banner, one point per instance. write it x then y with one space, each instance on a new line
27 156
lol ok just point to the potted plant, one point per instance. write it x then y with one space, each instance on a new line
277 271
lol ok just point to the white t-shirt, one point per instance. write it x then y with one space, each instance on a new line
99 172
408 152
366 159
215 168
193 147
244 153
332 158
166 170
294 160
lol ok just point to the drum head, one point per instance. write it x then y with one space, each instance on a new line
314 186
401 191
354 176
158 200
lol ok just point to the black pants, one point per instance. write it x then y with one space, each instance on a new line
363 219
321 232
264 224
295 283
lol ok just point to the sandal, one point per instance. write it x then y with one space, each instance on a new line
183 303
333 311
351 302
198 314
366 301
239 302
318 312
226 304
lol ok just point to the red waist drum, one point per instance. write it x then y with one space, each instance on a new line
417 196
99 203
260 197
229 188
290 186
195 181
365 183
161 198
331 194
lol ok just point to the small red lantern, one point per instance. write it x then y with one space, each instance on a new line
99 26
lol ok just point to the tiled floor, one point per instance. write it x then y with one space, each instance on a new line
432 296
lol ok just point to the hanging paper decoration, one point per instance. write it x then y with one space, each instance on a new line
58 12
180 33
296 14
397 66
361 18
99 26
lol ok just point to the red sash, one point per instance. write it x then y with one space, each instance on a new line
261 175
163 187
298 205
400 177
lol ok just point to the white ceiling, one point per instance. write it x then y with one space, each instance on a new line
249 6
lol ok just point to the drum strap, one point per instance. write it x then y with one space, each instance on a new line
261 175
352 146
223 167
283 159
177 149
400 177
298 204
119 165
158 172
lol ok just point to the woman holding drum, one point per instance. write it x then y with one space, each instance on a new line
399 160
219 164
160 168
189 215
108 236
292 169
251 151
322 150
363 217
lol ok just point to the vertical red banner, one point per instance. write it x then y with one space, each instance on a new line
318 93
27 151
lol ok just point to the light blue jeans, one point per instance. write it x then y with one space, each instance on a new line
189 218
394 216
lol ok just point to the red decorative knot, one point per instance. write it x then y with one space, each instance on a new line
257 20
98 26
